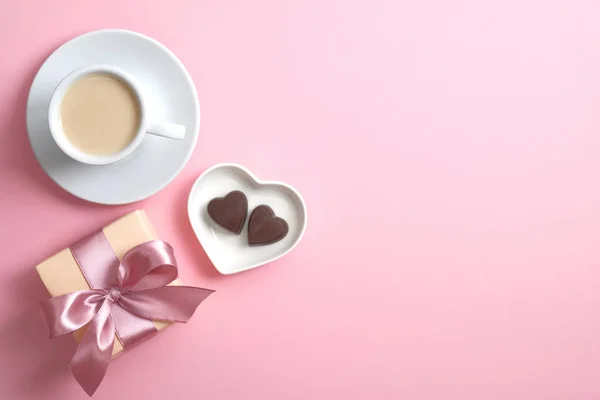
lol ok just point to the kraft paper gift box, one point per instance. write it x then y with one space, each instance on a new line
61 274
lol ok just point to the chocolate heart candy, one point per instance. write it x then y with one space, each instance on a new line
229 211
264 227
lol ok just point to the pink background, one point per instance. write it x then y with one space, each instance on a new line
449 155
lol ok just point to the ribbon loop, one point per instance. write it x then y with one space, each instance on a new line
69 312
131 296
147 266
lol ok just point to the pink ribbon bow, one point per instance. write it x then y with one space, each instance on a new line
125 296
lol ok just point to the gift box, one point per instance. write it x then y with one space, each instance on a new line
61 274
118 285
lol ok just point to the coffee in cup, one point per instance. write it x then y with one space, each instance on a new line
98 115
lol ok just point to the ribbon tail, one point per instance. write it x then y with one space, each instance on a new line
71 311
90 362
168 303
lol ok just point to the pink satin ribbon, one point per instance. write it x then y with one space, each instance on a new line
125 296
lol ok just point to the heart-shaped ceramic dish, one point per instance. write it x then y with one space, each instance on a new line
230 253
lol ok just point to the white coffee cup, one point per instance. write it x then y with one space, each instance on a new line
146 125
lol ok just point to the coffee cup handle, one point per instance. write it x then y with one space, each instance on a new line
166 129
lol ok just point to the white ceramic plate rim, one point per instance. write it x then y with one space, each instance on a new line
195 132
258 182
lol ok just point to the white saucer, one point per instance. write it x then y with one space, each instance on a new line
230 253
157 161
